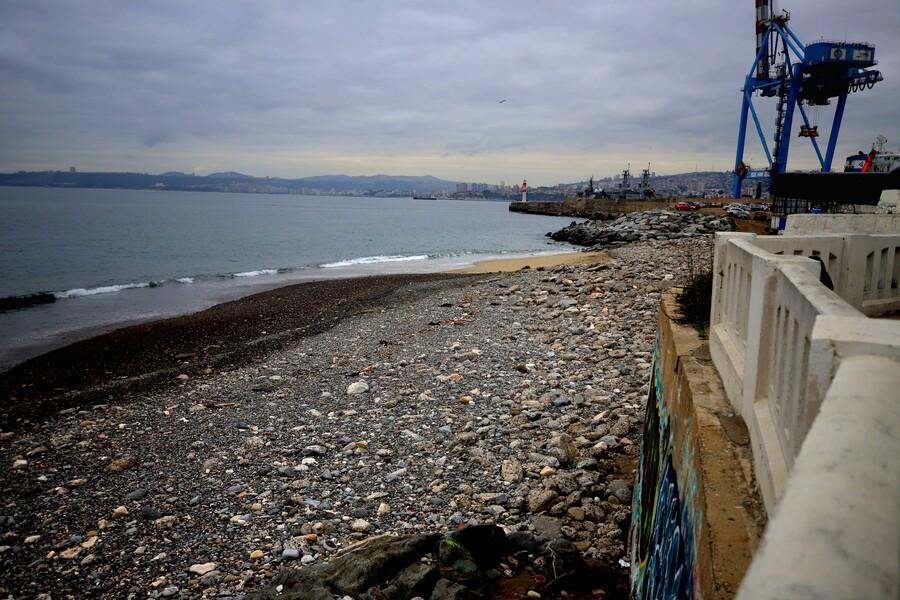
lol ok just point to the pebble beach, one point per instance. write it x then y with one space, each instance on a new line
200 456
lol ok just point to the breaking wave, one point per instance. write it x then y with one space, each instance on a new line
105 289
256 273
368 260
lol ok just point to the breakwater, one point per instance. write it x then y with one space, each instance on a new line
588 208
648 224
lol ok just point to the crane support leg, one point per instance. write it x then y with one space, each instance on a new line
835 128
785 141
742 135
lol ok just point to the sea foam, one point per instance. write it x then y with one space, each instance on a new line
106 289
368 260
256 273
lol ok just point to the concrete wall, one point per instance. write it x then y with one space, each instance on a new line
819 224
695 516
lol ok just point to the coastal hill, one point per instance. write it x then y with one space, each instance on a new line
232 181
686 185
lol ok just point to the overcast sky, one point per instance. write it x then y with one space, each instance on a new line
300 88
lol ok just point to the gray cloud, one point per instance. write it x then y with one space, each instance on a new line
151 140
410 87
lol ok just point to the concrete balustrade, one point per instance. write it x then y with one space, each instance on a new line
865 269
767 298
816 381
764 308
836 532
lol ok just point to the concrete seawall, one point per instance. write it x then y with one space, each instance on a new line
588 208
697 517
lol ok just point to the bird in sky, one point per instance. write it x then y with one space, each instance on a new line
501 101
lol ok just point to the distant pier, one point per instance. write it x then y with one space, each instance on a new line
588 208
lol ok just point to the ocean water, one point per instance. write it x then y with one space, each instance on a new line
78 262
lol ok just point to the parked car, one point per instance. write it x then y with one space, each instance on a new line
759 215
739 214
685 206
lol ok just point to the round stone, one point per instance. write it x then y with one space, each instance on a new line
357 388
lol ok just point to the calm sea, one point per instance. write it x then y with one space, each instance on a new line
87 261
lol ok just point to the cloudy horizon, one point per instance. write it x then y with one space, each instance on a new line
549 92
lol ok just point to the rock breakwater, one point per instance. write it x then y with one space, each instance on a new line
654 224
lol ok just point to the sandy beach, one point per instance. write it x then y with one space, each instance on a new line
201 456
535 262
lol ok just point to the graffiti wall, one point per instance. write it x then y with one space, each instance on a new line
667 537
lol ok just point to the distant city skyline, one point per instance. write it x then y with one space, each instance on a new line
475 92
710 184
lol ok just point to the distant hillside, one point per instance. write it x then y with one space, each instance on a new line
680 185
229 175
232 181
390 185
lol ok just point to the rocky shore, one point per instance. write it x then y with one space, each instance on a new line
514 400
655 224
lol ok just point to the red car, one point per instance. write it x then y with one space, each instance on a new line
685 206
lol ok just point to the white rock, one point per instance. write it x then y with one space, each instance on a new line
202 568
357 388
361 526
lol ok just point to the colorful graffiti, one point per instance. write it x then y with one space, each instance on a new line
666 520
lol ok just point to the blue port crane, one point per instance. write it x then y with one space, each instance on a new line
797 76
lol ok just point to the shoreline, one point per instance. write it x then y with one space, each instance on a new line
140 304
506 265
283 428
142 356
147 357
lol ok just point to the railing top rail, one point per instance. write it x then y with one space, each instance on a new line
823 300
846 476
